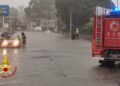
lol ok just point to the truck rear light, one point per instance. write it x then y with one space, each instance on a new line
97 52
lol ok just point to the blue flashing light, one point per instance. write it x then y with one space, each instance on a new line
115 12
116 9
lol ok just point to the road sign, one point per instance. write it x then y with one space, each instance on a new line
4 10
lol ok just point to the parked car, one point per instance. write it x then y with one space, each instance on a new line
37 28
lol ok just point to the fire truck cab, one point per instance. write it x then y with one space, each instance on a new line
106 37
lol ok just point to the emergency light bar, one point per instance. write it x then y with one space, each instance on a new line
115 12
102 11
116 9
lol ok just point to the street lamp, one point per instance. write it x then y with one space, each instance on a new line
117 3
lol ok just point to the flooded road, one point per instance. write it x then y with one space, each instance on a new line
52 60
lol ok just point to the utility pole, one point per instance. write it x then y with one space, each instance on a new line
10 25
3 26
70 23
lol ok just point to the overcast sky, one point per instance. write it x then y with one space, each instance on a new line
15 3
115 1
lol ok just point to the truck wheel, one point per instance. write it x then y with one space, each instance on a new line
107 63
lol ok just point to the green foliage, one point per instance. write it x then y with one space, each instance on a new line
38 9
82 10
88 27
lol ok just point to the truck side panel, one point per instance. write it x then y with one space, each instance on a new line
112 33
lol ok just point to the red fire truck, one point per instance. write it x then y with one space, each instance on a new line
106 37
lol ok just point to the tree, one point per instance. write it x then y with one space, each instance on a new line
14 12
81 10
40 9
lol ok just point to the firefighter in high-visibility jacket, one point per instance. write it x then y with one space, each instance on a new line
23 39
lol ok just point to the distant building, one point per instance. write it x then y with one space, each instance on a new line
48 23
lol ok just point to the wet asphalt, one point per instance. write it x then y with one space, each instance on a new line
51 59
